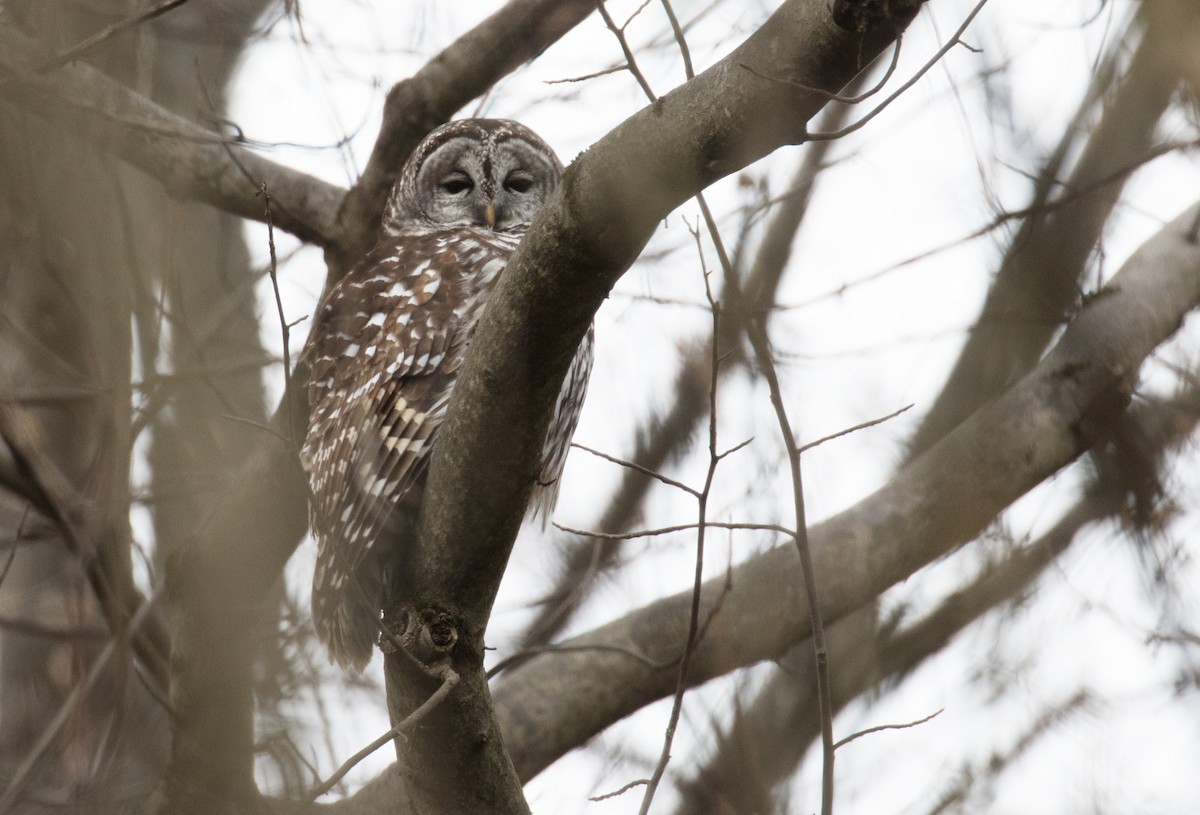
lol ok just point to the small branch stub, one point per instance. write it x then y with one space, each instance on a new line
426 635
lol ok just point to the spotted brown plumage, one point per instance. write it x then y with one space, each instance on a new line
385 350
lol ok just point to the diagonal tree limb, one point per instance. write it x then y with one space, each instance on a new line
611 200
939 501
189 160
766 741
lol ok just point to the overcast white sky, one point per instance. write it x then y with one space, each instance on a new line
863 339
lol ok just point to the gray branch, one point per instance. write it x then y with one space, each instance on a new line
939 501
190 161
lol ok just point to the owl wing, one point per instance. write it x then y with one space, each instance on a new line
383 355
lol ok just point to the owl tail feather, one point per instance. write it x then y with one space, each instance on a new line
345 635
347 626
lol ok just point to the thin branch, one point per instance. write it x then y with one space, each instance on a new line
285 327
449 680
714 459
853 429
640 782
758 340
107 33
680 40
632 465
630 61
881 727
934 60
585 77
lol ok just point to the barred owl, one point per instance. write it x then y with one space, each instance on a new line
385 350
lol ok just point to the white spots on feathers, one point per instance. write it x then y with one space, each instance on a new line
399 446
385 353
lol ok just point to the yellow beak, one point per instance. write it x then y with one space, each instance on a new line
489 215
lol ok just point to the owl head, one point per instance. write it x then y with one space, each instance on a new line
491 173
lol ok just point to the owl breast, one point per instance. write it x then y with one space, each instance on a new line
384 354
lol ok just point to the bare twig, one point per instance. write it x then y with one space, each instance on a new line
639 468
621 791
934 60
107 33
630 62
680 39
284 326
449 680
758 340
854 429
881 727
714 459
594 75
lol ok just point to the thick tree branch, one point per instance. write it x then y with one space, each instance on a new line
611 200
766 741
189 160
941 500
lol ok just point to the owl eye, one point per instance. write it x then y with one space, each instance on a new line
457 184
518 182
